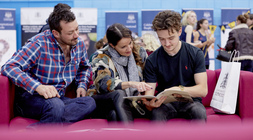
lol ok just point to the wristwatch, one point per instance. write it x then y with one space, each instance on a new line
181 87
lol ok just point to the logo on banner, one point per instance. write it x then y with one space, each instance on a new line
131 19
207 14
8 16
37 15
80 15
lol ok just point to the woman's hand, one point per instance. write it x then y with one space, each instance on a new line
141 86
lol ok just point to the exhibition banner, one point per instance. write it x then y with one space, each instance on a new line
129 19
87 20
147 17
202 13
32 19
206 14
8 34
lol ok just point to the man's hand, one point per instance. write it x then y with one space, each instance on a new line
154 103
47 91
81 92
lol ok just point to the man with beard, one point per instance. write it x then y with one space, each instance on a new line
45 66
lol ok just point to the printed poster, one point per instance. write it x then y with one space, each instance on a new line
32 19
129 19
8 34
147 17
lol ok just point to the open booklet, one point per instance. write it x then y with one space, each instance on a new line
172 96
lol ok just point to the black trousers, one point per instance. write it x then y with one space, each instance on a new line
110 106
113 107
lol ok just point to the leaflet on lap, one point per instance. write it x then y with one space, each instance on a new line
172 96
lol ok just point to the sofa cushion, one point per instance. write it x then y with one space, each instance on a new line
6 100
245 108
211 83
19 123
213 117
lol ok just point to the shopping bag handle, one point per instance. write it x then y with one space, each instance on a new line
233 54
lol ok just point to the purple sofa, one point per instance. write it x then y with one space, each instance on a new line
244 111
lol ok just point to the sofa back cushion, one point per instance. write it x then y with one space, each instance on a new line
211 83
6 100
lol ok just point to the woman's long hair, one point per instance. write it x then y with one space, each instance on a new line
200 22
185 18
150 41
118 31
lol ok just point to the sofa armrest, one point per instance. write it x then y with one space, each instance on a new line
6 100
245 96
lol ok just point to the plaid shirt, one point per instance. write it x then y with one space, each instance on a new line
42 61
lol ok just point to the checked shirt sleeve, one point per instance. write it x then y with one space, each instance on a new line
84 72
18 66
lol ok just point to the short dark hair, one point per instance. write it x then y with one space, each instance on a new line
167 20
58 15
61 6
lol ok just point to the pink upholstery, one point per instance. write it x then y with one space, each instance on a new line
211 82
244 107
213 131
6 100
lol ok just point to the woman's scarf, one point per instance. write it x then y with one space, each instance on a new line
122 61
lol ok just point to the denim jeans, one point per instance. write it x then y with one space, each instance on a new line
53 110
191 111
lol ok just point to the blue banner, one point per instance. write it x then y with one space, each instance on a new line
228 19
7 19
129 19
147 18
8 40
229 15
202 13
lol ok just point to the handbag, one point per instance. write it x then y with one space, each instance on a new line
223 55
225 94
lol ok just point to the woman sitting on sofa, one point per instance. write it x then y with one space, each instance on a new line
117 72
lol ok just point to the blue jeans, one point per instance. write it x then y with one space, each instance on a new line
53 110
191 111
